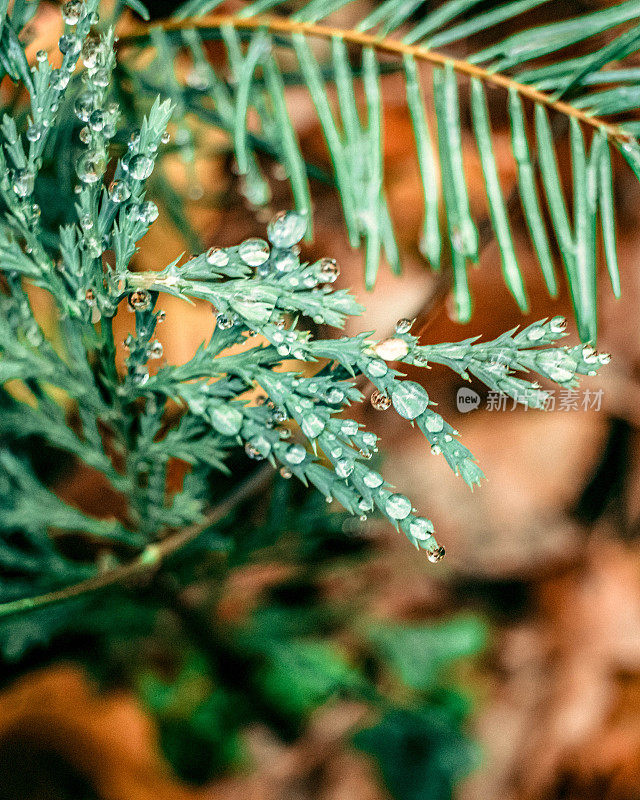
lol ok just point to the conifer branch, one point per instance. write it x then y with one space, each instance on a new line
289 27
153 555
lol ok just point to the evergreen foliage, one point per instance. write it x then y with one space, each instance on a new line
593 98
273 383
265 298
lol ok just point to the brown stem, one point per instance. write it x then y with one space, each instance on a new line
284 25
151 557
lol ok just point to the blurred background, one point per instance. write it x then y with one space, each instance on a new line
321 658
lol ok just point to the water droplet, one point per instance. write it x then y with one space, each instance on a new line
557 365
148 212
140 167
59 80
119 191
380 401
23 180
604 358
328 270
139 300
252 451
558 325
435 554
34 132
589 355
84 135
97 120
535 334
72 11
161 316
285 473
434 423
226 419
140 376
391 349
436 449
85 105
420 528
217 257
312 425
90 167
285 260
90 298
404 325
335 396
295 454
155 349
344 468
224 321
286 229
41 56
309 281
376 369
254 252
409 399
90 52
86 223
372 480
370 439
397 506
69 45
349 427
101 78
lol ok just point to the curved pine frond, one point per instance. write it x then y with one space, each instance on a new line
595 95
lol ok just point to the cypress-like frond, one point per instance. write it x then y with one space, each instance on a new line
247 97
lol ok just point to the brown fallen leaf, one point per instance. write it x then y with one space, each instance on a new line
104 742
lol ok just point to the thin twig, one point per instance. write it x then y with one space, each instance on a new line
151 557
287 26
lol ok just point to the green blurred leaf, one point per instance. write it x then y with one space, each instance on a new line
419 653
421 755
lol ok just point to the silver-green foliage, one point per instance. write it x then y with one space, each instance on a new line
264 297
250 85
